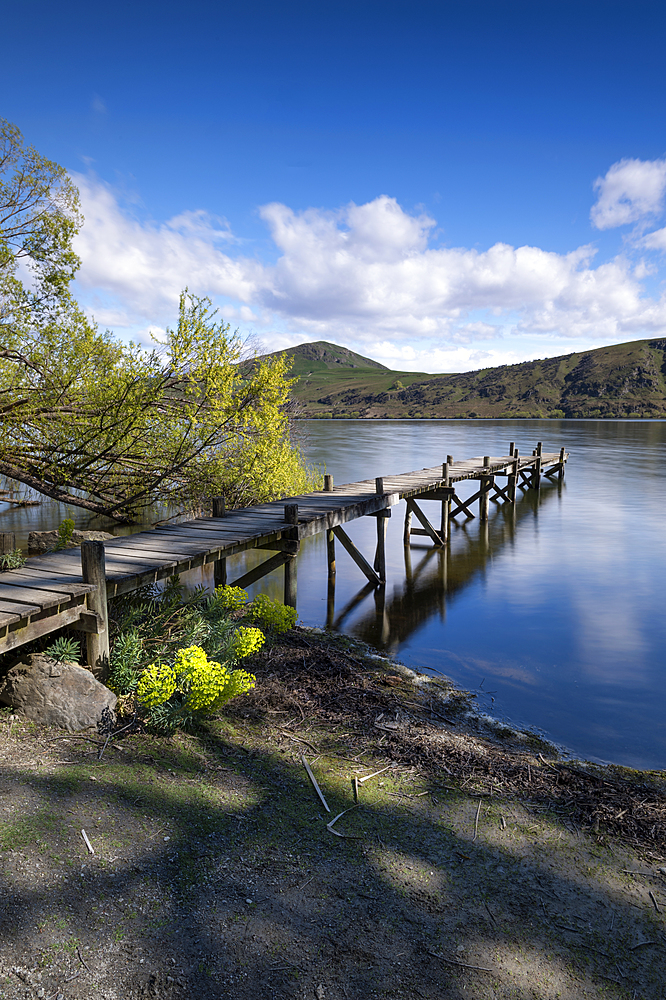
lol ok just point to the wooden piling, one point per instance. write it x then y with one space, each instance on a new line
513 476
380 552
560 471
408 526
484 499
512 445
382 524
536 475
291 517
328 484
93 570
220 565
330 552
446 505
7 542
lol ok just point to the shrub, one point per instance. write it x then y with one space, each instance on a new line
231 598
12 560
65 532
192 688
272 614
177 653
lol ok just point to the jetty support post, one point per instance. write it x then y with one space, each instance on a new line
220 565
330 542
536 475
408 526
382 524
485 484
513 476
7 542
560 471
291 517
93 570
446 506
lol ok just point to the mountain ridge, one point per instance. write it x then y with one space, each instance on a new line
618 381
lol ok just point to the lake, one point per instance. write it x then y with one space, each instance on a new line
552 613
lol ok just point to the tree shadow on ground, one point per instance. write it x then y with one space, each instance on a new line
214 876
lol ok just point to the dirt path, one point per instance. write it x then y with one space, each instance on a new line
473 865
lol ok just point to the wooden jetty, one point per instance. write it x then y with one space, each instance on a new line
71 587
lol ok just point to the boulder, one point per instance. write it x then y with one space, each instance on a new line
40 542
56 693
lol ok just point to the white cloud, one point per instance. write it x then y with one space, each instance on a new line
365 276
655 240
631 190
144 266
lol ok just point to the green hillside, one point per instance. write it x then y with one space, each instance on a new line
624 380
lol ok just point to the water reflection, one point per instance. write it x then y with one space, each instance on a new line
434 577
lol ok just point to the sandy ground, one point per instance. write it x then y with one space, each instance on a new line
475 865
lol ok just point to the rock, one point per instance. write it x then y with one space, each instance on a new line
47 541
56 693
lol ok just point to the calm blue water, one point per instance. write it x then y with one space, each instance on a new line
553 614
558 609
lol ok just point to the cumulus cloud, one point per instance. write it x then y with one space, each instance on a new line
365 274
144 266
631 190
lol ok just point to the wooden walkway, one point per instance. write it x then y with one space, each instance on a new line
71 588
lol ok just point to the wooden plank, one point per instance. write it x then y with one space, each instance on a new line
20 608
35 630
328 521
29 595
26 577
7 618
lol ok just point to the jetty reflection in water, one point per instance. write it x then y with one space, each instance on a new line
434 576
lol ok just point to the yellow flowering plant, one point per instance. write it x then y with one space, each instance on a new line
272 614
178 654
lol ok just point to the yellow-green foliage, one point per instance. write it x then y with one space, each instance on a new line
201 686
230 598
114 428
246 641
272 614
202 679
156 685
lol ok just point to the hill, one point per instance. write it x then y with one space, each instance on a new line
623 380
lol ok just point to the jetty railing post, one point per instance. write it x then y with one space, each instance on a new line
220 565
446 505
484 499
513 476
93 570
536 475
512 445
382 525
7 542
560 471
291 517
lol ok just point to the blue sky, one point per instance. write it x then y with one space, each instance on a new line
413 180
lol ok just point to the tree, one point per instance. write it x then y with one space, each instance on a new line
39 217
91 421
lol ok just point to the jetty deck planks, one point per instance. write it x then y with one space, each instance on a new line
48 592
